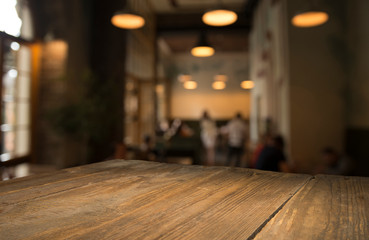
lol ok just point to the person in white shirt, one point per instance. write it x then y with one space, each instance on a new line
209 134
237 132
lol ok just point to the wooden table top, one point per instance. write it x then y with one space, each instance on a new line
121 199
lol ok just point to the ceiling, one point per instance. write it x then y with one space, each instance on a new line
193 6
179 24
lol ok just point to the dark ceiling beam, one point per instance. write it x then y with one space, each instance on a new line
180 22
186 22
249 10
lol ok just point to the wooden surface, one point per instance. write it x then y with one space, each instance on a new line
145 200
328 207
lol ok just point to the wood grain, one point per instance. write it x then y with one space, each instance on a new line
328 207
144 200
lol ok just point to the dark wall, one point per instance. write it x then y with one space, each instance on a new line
87 116
108 51
357 147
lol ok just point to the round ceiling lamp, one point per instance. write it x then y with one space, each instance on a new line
218 85
219 17
202 49
248 84
127 20
310 19
190 85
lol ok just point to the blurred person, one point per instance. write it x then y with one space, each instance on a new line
266 139
272 157
236 130
209 134
185 130
147 150
334 163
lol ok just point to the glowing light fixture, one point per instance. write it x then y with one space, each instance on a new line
310 19
13 73
126 20
221 78
219 17
190 85
202 49
14 46
218 85
247 84
184 77
159 89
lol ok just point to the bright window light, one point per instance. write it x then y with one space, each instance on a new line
9 19
14 46
13 73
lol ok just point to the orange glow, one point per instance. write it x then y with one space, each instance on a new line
247 84
219 17
310 19
202 51
222 78
127 20
218 85
184 77
190 85
159 89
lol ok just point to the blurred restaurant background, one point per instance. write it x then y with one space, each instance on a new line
76 89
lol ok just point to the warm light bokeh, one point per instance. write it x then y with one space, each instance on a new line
127 21
202 51
219 17
190 85
222 78
310 19
218 85
184 78
247 84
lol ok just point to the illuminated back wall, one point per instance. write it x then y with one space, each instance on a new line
221 104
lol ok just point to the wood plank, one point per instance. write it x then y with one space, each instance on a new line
328 207
24 189
146 200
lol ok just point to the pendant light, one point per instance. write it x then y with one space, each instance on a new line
218 85
184 78
221 78
127 19
219 17
248 84
202 49
310 17
190 85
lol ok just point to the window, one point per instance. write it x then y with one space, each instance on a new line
15 100
15 18
15 59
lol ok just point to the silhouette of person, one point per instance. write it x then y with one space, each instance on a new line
237 132
209 133
272 157
334 163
